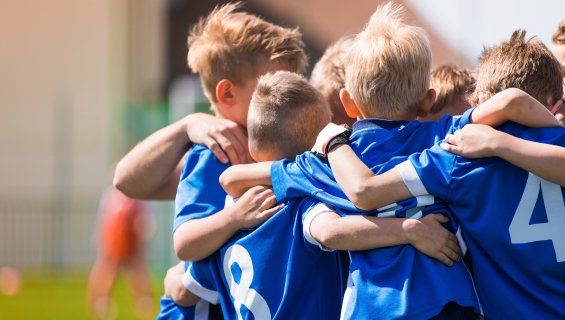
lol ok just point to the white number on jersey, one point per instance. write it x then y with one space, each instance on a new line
241 292
521 231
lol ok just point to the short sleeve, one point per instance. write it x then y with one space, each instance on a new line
307 219
198 280
290 178
199 193
428 172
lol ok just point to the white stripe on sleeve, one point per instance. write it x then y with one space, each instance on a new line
193 286
310 215
411 179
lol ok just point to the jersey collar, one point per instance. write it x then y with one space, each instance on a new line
375 123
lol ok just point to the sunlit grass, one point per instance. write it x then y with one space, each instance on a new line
62 295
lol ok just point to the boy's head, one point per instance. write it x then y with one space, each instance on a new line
558 51
286 114
558 40
387 69
518 63
328 76
452 86
230 49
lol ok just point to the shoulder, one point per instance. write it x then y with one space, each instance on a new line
201 158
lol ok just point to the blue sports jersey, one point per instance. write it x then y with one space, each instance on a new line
272 272
199 193
512 220
393 282
169 310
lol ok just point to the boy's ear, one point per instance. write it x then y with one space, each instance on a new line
348 104
427 103
224 92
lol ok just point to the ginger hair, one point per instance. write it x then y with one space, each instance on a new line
519 63
230 44
451 84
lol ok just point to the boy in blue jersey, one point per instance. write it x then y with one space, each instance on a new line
277 270
388 65
178 303
229 50
507 214
404 292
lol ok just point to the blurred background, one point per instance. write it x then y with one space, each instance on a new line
82 81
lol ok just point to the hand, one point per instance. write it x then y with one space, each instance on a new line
428 236
226 139
172 278
473 141
329 132
255 206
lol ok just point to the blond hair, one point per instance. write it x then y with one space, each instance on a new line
452 84
328 75
286 114
232 45
518 63
387 69
559 34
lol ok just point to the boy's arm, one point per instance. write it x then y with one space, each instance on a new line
363 188
239 178
151 169
364 233
175 289
196 239
368 191
513 105
479 141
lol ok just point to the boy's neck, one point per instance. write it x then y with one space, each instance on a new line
406 117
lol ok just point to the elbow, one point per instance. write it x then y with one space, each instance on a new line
330 238
120 181
183 251
359 196
226 180
230 183
119 178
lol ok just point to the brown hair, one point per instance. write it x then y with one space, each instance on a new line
451 84
559 34
232 45
286 114
517 63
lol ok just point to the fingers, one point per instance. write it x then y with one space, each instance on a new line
451 148
437 217
229 147
240 143
268 203
444 259
270 212
216 150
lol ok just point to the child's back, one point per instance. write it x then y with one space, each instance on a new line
387 78
273 271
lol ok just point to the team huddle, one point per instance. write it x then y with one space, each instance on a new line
425 208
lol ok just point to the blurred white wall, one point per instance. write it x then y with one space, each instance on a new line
63 71
469 25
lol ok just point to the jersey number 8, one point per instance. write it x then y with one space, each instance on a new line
241 292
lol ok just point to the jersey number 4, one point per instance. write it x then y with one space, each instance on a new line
521 231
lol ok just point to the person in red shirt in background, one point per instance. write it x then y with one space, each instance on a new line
123 230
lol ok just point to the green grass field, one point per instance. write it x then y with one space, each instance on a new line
63 296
